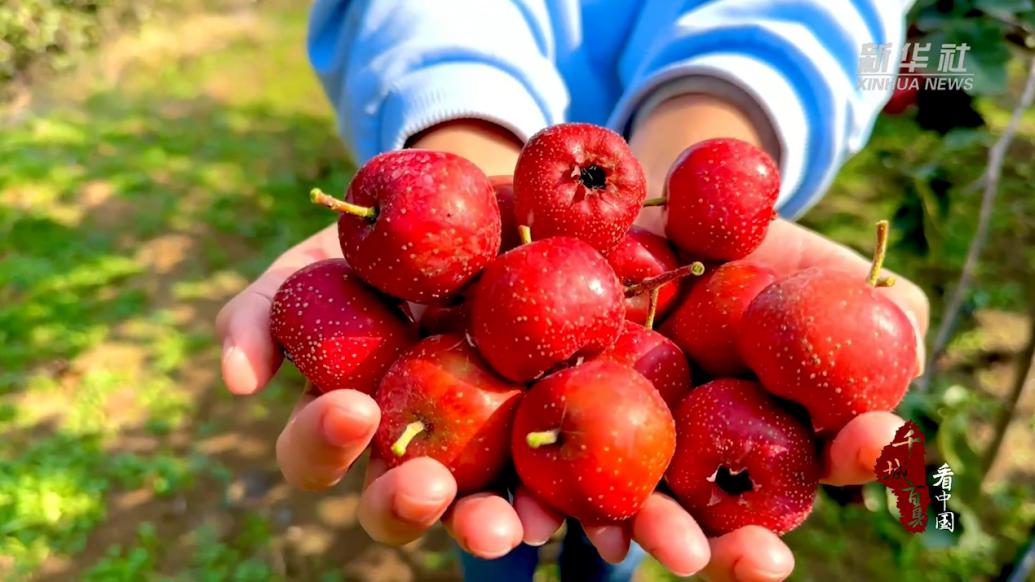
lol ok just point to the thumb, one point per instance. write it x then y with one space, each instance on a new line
325 436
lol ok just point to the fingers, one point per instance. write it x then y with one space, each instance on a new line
538 521
749 554
399 505
849 458
783 248
484 524
611 541
325 436
250 356
921 346
667 532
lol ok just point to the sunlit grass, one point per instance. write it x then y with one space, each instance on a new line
222 145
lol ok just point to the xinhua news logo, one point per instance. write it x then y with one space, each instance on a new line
918 67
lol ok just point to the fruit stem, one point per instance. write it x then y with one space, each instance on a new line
318 196
525 234
413 429
652 307
874 279
541 438
659 201
695 268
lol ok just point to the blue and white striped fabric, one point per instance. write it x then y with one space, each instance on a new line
395 67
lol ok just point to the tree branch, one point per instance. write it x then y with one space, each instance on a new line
993 171
1025 377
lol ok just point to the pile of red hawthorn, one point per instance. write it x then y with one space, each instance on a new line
534 342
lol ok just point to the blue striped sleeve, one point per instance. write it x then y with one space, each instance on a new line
392 68
798 59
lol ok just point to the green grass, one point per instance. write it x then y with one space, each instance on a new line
239 559
89 190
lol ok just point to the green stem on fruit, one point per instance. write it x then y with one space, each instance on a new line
695 268
880 252
541 438
652 307
413 429
659 201
318 196
525 234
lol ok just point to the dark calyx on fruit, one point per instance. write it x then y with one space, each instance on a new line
741 460
593 177
579 180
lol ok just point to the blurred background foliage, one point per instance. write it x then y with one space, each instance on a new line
47 35
154 157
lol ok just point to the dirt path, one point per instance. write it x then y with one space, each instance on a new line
177 93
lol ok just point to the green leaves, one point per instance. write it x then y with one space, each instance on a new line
983 25
988 54
1004 8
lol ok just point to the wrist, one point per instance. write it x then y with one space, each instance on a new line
492 148
675 123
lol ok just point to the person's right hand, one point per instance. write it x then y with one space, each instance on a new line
327 433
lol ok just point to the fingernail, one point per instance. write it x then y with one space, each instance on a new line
745 571
604 534
536 543
229 347
490 555
423 509
344 426
499 546
237 370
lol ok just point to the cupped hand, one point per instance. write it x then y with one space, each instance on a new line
753 553
666 531
327 433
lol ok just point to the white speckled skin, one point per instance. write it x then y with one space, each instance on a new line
467 410
656 357
438 224
706 323
830 342
338 332
734 424
544 303
616 437
721 197
552 199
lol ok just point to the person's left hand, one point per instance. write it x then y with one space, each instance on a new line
666 531
327 433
